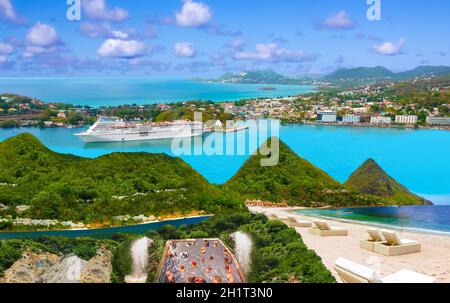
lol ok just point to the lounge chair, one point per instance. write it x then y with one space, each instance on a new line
351 272
375 237
394 246
276 217
322 229
293 222
273 216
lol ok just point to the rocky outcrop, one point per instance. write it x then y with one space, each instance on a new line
51 268
98 269
30 268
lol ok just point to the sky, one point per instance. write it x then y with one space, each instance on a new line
207 38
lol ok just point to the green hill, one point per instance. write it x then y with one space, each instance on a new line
66 187
372 180
424 71
363 74
360 73
294 181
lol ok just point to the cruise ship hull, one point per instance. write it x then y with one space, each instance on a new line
92 138
99 133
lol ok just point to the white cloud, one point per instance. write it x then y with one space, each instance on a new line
117 48
6 49
97 9
184 49
193 14
42 35
339 21
119 35
273 53
8 12
390 48
238 43
95 30
41 38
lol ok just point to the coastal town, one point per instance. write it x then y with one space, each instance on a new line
394 104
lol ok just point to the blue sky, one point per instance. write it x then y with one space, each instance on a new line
188 38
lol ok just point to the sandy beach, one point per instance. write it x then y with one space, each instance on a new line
433 260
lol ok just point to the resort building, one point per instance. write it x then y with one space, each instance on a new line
404 119
380 120
351 119
327 116
438 120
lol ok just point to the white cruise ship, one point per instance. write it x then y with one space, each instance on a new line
115 130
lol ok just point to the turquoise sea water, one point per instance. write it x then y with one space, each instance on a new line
419 159
118 91
429 218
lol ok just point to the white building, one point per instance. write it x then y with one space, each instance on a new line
438 120
380 120
351 119
327 116
404 119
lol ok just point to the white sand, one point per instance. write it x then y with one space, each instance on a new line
433 260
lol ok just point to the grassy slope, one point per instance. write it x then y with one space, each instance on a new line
294 180
72 188
371 179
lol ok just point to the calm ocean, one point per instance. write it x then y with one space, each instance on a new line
419 159
98 92
426 218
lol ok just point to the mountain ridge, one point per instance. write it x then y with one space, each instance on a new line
371 179
357 74
382 73
67 187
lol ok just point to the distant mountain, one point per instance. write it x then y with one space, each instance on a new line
371 179
256 77
294 181
65 187
424 72
361 74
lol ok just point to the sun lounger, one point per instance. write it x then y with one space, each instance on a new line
394 246
322 229
273 216
351 272
293 222
375 237
276 217
407 276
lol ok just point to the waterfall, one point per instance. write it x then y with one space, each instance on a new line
139 254
243 250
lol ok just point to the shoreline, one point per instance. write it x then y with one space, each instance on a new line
399 127
283 121
380 225
433 260
105 227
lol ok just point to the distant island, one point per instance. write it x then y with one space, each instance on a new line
340 76
256 77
